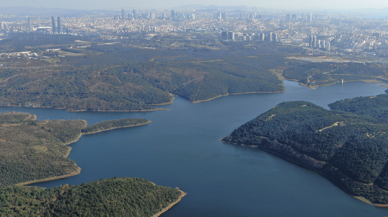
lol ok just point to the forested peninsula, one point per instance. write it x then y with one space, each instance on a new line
348 145
105 197
119 78
36 151
114 124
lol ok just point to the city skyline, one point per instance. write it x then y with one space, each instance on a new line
277 4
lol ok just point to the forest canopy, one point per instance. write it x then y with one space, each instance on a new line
349 144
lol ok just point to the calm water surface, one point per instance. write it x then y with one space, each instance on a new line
181 148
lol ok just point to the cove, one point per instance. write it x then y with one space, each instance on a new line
181 148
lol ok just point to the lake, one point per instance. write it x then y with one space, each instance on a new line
181 148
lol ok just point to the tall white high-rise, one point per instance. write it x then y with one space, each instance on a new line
328 46
311 41
59 28
29 24
223 16
134 14
274 37
54 29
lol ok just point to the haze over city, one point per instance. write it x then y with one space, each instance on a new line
281 4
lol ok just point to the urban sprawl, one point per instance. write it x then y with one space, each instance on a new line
322 33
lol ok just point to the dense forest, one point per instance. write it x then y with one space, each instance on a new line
105 197
348 144
114 124
123 78
81 74
35 150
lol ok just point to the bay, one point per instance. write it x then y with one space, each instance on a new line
181 148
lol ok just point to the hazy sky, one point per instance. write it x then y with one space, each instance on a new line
117 4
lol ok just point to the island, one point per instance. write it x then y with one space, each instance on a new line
348 145
106 197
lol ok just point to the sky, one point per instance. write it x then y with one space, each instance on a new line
170 4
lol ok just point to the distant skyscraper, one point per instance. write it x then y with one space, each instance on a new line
193 16
230 35
315 41
134 14
122 14
270 36
59 30
274 37
2 25
54 29
223 16
311 40
293 18
173 15
224 35
328 46
218 16
262 37
29 24
288 17
310 17
152 16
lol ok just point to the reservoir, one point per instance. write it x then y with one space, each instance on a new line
181 148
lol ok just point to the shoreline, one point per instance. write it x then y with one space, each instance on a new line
369 81
77 172
315 170
165 103
219 96
137 125
171 204
84 110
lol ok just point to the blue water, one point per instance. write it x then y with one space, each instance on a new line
181 148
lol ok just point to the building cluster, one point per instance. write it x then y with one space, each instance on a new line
137 15
322 31
56 27
302 17
237 36
314 43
